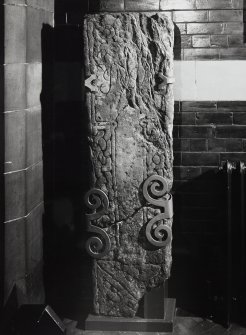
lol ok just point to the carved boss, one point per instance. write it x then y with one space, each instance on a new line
155 191
97 246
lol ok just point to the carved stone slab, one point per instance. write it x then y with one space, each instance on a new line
129 81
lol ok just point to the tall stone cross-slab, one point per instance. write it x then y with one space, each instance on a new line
130 104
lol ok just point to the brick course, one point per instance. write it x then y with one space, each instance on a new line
139 5
199 192
220 127
190 16
226 15
112 5
221 21
202 25
201 41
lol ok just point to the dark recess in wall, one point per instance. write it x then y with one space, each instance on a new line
199 262
65 152
177 43
70 12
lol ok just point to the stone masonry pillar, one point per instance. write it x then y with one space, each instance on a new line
22 187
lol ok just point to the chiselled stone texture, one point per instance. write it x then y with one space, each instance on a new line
130 136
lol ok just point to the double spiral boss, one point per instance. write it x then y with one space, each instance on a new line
155 192
158 231
97 201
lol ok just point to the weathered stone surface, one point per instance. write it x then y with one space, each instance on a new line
130 136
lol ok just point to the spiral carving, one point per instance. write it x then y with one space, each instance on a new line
158 235
97 201
155 191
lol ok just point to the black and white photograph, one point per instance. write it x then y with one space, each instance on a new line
123 167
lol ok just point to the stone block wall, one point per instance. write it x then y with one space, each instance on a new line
22 194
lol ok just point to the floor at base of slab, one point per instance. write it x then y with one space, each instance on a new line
182 326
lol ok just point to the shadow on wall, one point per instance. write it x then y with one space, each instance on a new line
177 43
71 11
65 153
198 279
199 232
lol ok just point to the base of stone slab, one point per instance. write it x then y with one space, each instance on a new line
105 323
